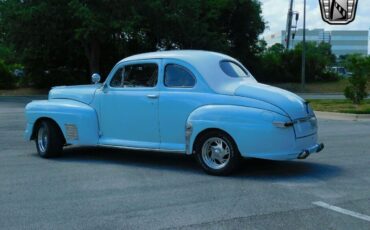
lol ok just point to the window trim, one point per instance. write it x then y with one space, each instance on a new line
186 70
237 64
133 64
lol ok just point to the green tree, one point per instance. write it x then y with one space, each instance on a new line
7 80
41 34
60 42
244 25
318 58
272 68
279 65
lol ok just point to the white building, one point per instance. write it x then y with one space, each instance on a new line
342 41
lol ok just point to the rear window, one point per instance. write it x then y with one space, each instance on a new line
232 69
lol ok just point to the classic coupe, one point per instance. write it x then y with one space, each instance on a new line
198 103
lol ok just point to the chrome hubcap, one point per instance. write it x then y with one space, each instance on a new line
216 153
42 139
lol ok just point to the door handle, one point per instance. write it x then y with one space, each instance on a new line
153 96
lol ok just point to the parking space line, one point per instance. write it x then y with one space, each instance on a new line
342 210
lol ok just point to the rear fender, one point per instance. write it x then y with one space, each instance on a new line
250 128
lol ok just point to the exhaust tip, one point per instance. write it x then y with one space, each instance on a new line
320 148
303 155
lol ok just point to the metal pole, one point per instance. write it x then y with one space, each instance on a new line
303 77
289 24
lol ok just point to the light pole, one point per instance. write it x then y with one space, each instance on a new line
303 77
289 24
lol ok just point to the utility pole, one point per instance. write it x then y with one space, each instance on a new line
303 77
289 24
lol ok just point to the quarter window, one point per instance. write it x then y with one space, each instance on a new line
138 75
232 69
177 76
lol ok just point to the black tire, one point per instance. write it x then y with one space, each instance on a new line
203 143
49 139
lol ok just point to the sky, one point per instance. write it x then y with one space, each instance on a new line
275 12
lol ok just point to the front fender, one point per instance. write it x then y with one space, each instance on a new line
252 129
69 115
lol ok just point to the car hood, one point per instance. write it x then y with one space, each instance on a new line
289 102
81 93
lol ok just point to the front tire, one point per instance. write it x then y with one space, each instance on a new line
217 153
49 140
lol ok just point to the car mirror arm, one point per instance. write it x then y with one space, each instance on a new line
104 87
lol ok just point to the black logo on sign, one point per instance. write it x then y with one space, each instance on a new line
338 12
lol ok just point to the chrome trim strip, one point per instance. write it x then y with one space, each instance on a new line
188 133
304 119
309 135
142 149
282 124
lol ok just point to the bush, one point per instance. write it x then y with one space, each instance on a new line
356 91
360 66
7 80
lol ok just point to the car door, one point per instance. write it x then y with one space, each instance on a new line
181 94
129 106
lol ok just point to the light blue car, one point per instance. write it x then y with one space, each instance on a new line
186 102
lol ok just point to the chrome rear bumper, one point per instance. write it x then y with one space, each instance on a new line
314 149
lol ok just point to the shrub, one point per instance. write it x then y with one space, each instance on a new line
360 66
356 91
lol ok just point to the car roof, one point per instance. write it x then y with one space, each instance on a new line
185 55
205 62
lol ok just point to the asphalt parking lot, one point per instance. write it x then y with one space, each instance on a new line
103 188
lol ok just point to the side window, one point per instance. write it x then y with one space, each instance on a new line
178 76
138 75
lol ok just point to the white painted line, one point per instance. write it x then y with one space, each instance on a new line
342 210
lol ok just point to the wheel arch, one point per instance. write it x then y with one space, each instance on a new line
38 123
208 130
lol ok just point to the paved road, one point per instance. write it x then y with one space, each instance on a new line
329 96
112 189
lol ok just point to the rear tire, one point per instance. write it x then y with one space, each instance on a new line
217 153
49 139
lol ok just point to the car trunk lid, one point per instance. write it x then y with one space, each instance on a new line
296 108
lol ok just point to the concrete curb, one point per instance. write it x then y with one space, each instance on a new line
343 116
26 96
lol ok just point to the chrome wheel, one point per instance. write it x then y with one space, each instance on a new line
216 153
42 139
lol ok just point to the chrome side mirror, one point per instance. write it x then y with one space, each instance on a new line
95 78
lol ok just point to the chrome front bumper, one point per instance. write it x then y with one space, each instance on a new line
314 149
